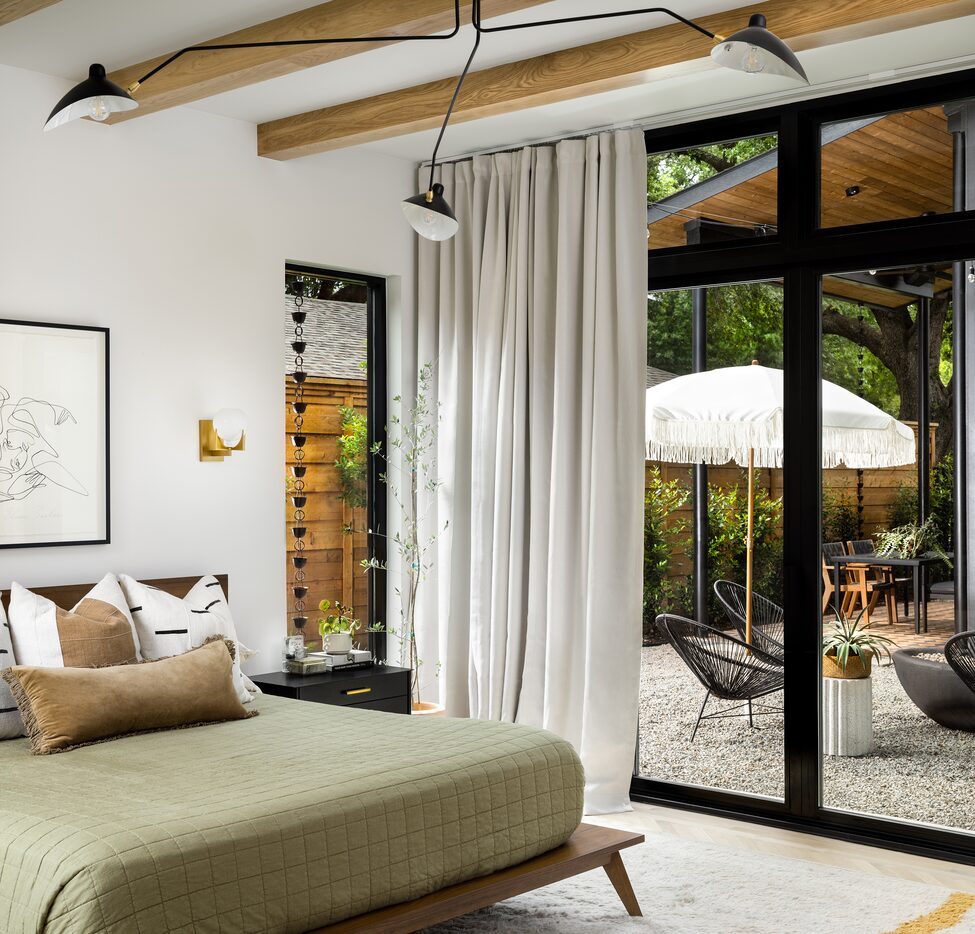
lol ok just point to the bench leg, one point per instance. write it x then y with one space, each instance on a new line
621 882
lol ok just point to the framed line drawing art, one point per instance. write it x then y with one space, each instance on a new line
54 435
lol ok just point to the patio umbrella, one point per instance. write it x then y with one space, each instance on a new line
735 414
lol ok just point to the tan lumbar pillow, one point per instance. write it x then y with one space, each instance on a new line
67 707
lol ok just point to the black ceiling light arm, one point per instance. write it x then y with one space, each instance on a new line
450 106
476 16
332 40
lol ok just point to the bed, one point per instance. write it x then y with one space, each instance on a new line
291 821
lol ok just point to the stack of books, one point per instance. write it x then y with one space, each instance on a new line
316 663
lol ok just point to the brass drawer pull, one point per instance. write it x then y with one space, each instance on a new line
358 691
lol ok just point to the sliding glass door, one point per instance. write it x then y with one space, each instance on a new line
834 241
711 709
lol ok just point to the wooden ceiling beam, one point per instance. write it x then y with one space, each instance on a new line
622 62
201 74
11 10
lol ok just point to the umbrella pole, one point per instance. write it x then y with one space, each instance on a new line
750 546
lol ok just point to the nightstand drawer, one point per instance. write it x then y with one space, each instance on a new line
356 690
388 705
382 687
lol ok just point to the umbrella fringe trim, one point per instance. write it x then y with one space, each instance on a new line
723 442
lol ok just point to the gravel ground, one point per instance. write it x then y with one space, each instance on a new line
918 771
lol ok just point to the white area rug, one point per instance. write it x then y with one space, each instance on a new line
686 887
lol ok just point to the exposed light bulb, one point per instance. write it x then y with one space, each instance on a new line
98 109
753 61
429 218
971 273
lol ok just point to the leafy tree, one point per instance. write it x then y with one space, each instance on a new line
670 172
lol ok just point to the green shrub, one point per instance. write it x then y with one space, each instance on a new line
904 509
840 516
351 462
665 538
727 542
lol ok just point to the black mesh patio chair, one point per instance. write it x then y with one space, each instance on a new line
728 667
768 618
960 652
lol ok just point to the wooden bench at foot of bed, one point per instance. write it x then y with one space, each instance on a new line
588 848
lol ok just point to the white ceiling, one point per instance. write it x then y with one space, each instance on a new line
63 39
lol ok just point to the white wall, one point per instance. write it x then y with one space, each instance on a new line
172 232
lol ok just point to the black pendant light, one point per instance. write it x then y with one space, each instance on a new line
95 97
430 215
757 51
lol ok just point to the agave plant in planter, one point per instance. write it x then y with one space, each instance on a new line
849 648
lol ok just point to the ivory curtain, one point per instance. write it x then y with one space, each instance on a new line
534 317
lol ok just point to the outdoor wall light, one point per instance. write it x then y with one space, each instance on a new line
222 435
753 50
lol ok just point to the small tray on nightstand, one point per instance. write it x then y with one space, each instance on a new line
381 687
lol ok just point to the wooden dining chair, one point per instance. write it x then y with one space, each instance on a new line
832 550
870 583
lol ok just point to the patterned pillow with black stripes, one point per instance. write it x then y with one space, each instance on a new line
11 726
169 626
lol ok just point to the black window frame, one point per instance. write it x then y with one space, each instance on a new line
376 416
799 254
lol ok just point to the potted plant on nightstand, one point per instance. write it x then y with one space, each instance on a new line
849 648
337 628
414 439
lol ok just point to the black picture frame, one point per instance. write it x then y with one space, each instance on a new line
104 488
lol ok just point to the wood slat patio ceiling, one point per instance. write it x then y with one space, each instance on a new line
902 164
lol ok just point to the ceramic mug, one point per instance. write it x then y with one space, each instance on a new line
337 643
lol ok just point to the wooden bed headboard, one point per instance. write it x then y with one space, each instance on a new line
67 595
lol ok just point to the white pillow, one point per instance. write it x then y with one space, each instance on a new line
34 621
11 726
170 626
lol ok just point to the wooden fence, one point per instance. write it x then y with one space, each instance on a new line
880 490
333 571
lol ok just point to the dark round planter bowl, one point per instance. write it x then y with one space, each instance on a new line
936 689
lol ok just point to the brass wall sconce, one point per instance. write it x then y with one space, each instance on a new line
222 435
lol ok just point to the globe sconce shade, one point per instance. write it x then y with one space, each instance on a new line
756 50
430 215
95 97
222 435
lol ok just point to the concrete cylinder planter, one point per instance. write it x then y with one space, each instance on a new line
847 716
935 688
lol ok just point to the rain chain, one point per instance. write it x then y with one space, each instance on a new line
298 497
860 391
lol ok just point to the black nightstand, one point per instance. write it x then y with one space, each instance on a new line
378 688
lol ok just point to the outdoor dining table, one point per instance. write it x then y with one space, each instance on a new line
919 573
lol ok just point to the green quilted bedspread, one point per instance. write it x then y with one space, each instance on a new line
286 822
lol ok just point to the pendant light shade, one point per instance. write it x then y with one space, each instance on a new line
430 215
95 97
755 50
